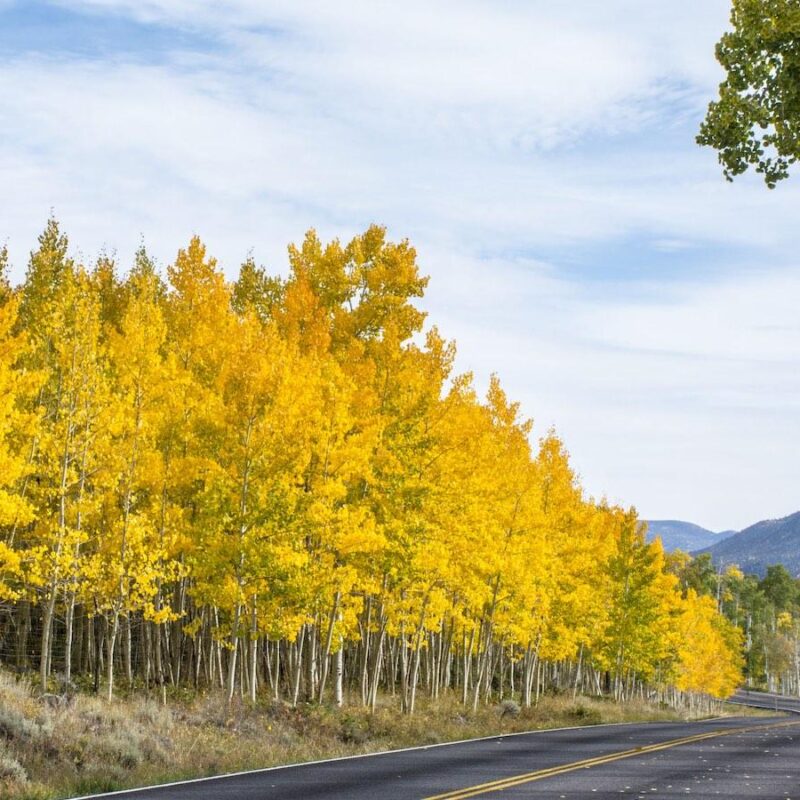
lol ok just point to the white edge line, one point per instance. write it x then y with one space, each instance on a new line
261 770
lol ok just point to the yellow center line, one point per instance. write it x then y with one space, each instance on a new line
529 777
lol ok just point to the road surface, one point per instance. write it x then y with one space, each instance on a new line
770 702
741 757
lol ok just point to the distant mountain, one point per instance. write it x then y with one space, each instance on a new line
678 535
773 541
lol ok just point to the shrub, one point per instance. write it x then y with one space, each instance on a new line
509 708
354 730
15 727
153 715
11 771
121 746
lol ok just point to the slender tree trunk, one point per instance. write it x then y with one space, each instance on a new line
277 672
110 645
328 642
47 635
233 654
338 675
298 672
127 647
253 652
68 635
376 667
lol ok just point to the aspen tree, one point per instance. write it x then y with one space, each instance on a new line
266 402
17 431
70 445
704 643
197 310
641 601
130 559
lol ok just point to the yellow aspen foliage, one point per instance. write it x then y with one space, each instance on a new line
16 424
642 601
279 484
71 444
17 434
708 649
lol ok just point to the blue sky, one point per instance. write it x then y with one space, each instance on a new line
540 156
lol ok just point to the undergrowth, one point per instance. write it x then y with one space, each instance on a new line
85 745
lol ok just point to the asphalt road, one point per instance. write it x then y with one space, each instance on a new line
770 702
755 757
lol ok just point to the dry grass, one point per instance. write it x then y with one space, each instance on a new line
50 750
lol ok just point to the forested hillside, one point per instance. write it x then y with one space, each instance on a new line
678 535
766 609
278 486
771 541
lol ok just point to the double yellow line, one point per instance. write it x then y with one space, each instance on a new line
529 777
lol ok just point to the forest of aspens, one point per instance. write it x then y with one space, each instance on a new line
278 487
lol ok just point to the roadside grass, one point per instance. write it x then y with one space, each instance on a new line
51 749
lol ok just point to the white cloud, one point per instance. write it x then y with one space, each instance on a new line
690 402
519 74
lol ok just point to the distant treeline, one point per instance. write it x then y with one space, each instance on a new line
279 487
766 609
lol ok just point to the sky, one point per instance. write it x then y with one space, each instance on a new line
540 156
